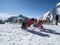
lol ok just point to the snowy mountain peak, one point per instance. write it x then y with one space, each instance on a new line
45 15
55 11
58 4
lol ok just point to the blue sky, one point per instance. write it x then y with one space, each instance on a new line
30 8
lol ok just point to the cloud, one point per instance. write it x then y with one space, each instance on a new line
5 16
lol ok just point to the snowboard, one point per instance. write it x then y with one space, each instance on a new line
29 23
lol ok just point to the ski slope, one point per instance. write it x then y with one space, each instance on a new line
12 34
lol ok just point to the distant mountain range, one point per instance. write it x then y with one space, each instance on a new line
23 17
16 17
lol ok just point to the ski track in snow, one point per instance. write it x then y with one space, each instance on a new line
11 34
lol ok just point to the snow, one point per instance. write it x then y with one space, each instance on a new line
12 34
45 15
58 4
58 8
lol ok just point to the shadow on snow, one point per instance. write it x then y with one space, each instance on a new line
38 33
50 31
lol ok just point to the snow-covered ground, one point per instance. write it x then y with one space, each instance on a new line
12 34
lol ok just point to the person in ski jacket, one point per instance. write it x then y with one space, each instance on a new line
57 19
29 23
24 23
35 23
